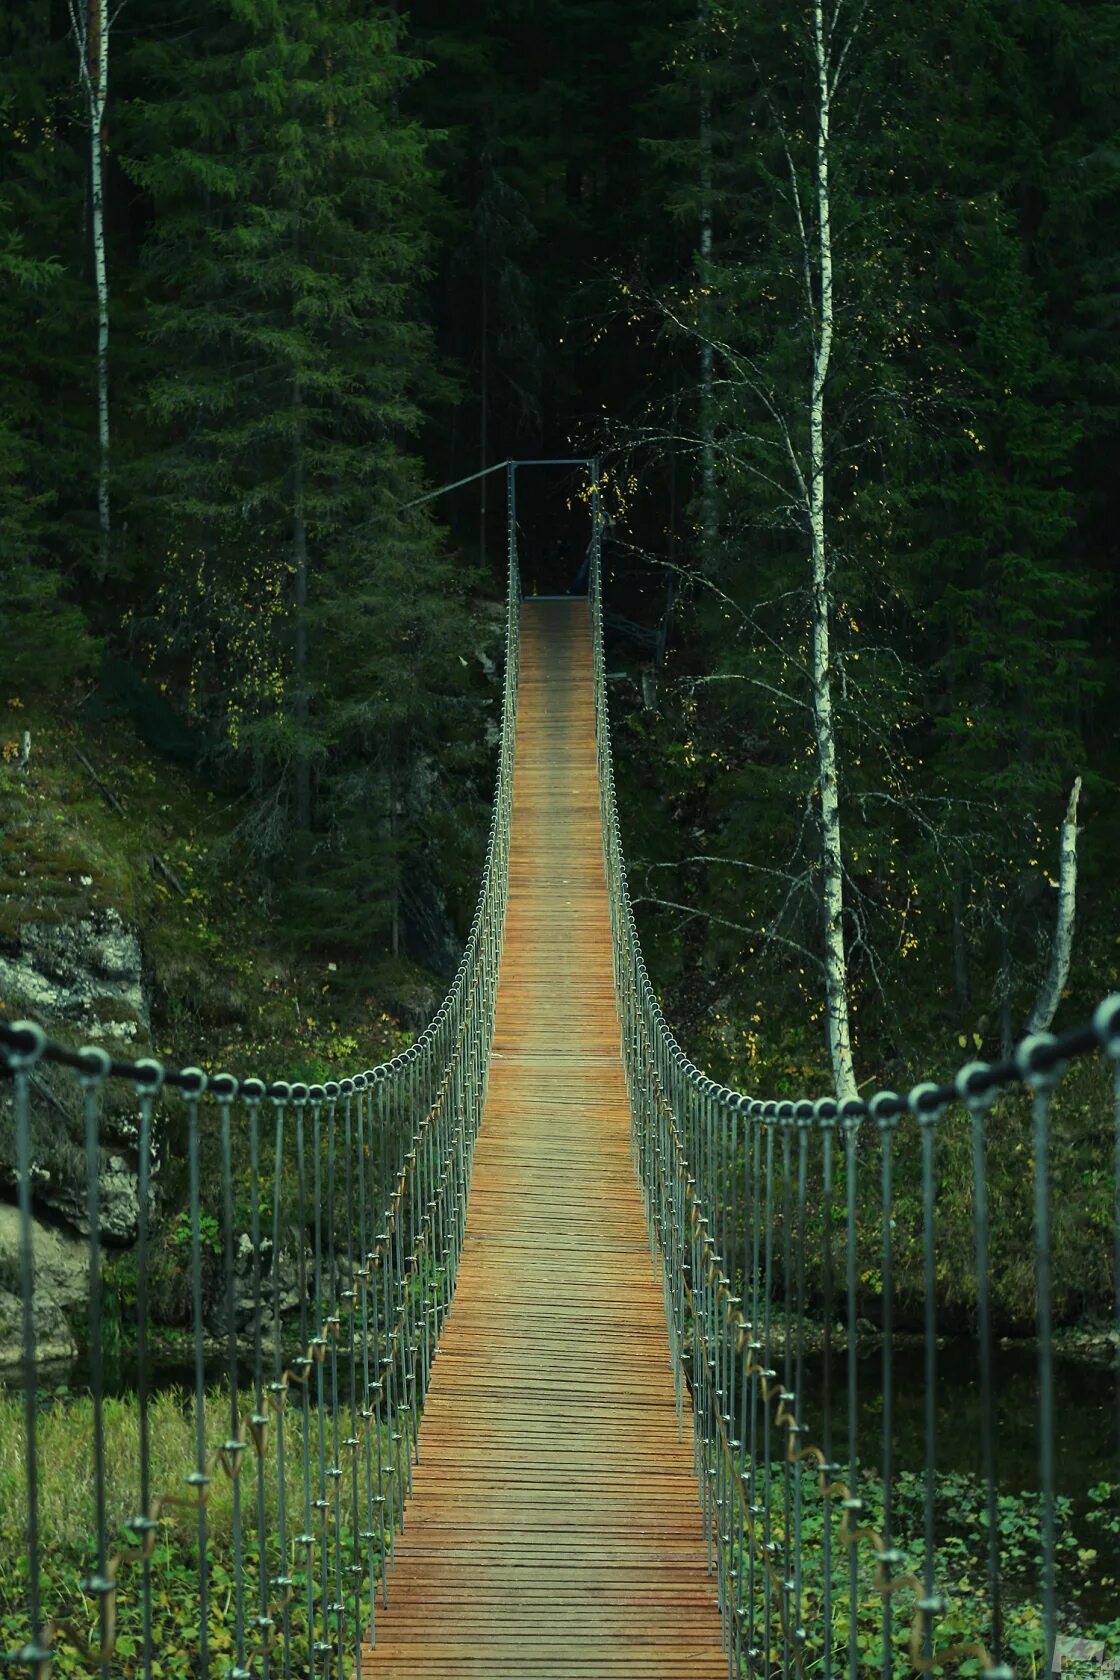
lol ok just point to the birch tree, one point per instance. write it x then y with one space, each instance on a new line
828 67
90 24
707 354
765 323
1061 947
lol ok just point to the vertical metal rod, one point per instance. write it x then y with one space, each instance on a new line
804 1121
283 1581
199 1480
233 1450
826 1119
306 1540
926 1122
888 1557
786 1399
1044 1277
92 1082
143 1524
29 1371
259 1421
978 1105
852 1117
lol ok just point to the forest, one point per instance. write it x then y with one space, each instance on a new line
837 316
273 270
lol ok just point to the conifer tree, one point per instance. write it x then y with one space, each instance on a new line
45 528
42 636
1001 594
91 23
288 197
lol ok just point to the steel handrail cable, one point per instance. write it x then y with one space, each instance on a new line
699 1192
431 1093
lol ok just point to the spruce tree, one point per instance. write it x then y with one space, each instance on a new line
289 198
45 530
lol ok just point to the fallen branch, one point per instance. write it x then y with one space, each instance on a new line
171 879
158 864
107 791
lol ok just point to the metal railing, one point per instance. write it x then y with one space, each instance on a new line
342 1208
351 1195
753 1209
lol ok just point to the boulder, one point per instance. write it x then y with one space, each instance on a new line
85 976
61 1290
88 973
55 1348
118 1206
287 1279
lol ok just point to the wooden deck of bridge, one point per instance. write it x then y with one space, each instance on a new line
554 1528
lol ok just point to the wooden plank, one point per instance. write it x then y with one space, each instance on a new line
554 1528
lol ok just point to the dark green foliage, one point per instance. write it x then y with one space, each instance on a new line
43 636
973 206
271 611
320 215
286 366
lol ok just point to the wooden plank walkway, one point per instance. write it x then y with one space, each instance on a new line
554 1529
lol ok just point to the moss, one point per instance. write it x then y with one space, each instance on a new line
222 988
14 914
114 1012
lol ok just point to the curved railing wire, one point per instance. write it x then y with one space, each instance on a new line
302 1417
341 1208
753 1212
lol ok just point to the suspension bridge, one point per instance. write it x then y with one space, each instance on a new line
540 1408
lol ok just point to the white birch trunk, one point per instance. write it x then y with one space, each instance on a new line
1061 951
300 568
91 36
707 360
832 875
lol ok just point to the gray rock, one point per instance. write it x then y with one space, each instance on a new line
88 976
88 973
61 1261
118 1187
61 1288
287 1279
54 1345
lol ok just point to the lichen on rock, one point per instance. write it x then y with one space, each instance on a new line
61 1268
88 973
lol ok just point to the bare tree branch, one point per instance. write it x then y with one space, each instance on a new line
763 935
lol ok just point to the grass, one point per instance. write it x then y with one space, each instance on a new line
67 1528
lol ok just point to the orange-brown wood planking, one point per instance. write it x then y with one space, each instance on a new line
554 1528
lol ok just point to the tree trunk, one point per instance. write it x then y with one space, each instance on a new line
836 963
484 402
97 122
707 362
1061 950
1006 1014
91 37
299 564
395 887
671 588
960 949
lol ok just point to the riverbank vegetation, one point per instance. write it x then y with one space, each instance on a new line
1089 1553
837 311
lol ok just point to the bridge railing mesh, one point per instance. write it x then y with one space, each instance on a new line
244 1522
776 1226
